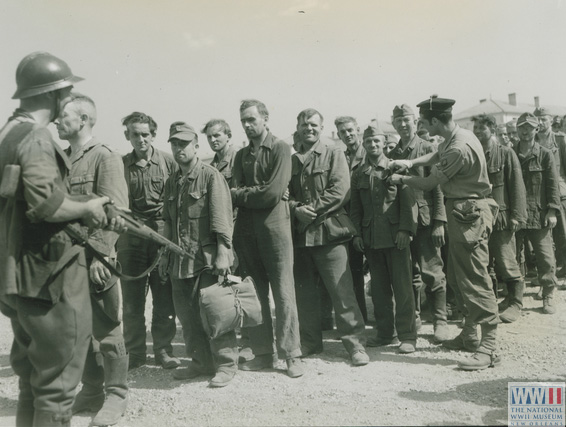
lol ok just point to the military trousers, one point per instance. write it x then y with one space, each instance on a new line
50 343
209 354
392 292
268 258
559 237
503 255
329 264
469 229
428 271
541 240
136 255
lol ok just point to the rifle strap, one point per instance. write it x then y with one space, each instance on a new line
78 237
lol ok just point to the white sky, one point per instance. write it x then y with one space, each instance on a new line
193 60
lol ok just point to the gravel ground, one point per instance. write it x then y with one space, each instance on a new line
424 388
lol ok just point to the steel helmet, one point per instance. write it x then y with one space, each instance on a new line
41 72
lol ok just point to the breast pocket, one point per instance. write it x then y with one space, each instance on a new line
82 185
320 178
198 204
496 176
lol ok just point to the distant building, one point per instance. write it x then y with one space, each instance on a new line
502 111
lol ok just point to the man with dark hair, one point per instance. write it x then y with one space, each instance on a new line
43 278
349 133
319 190
262 237
460 169
543 204
508 190
556 143
385 215
146 169
96 169
218 134
429 238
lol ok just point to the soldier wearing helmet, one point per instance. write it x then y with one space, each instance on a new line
43 278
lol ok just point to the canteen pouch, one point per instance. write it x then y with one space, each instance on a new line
230 304
10 180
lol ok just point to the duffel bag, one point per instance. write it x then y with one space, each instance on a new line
230 304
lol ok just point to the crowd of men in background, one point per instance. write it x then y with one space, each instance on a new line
434 211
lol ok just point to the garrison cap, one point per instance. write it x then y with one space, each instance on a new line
439 105
542 111
181 130
527 118
373 130
402 110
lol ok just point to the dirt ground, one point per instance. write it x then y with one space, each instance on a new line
424 388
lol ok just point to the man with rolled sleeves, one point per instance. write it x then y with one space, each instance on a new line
556 143
429 238
508 191
43 275
543 204
349 133
385 215
198 217
262 237
318 192
146 169
460 169
96 169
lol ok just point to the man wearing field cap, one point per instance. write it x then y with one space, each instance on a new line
385 215
197 212
460 169
556 143
543 204
425 247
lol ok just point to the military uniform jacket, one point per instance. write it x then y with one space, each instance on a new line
508 188
430 203
33 251
355 159
96 169
379 209
225 165
198 211
541 184
259 181
557 145
321 178
146 184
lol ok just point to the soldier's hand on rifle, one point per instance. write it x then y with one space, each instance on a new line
98 273
95 215
118 225
163 267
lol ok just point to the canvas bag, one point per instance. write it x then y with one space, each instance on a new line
229 304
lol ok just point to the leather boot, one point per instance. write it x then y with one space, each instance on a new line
225 355
91 396
116 385
514 299
486 355
51 419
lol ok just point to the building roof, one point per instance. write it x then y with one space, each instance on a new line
491 106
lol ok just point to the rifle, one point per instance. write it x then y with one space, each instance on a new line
134 227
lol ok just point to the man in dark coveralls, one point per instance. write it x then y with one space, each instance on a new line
262 237
460 169
146 169
43 275
96 169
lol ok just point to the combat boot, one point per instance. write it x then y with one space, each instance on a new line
115 381
91 396
485 356
516 288
51 419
